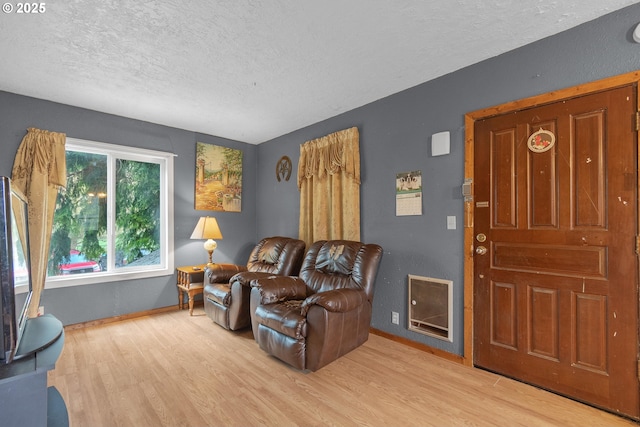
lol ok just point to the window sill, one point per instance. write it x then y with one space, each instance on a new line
90 278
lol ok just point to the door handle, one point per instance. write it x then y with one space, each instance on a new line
481 250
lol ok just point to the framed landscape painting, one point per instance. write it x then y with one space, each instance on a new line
218 185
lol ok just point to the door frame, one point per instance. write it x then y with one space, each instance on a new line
512 106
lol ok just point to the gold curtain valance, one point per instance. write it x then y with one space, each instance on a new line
339 151
41 152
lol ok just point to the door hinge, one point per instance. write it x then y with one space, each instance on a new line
637 121
637 245
638 369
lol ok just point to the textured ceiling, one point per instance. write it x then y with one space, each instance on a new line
254 70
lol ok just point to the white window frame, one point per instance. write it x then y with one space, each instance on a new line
166 266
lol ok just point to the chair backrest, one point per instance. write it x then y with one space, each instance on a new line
277 255
338 264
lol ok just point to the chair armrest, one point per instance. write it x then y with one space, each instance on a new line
279 288
246 277
222 273
338 300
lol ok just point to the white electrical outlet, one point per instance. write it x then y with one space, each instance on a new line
395 318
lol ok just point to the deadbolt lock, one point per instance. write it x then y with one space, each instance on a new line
481 237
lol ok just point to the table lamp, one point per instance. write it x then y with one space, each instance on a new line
207 228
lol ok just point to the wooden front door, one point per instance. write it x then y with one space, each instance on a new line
556 292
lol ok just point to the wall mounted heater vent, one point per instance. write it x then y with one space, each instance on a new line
430 306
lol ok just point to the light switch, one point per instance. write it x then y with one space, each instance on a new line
451 222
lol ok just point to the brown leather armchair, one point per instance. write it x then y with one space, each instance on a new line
227 286
311 320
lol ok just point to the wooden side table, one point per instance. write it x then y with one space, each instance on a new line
191 282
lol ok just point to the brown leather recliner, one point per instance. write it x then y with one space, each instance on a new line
227 286
311 320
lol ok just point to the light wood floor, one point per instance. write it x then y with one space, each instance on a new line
170 369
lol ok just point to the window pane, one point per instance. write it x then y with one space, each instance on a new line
137 213
79 224
112 218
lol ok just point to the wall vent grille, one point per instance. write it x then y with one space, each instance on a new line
430 306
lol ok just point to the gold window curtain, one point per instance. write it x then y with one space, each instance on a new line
39 170
329 184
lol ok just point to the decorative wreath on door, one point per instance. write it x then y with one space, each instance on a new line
541 141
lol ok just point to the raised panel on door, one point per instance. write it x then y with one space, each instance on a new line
504 326
542 183
503 178
589 175
543 323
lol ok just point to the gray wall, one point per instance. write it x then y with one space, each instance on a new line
395 136
90 302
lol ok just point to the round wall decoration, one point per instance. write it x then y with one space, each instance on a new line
283 168
541 141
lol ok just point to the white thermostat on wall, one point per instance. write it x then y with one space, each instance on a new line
440 143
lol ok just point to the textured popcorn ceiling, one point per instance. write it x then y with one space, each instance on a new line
253 70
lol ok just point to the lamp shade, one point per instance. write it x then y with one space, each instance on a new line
207 228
